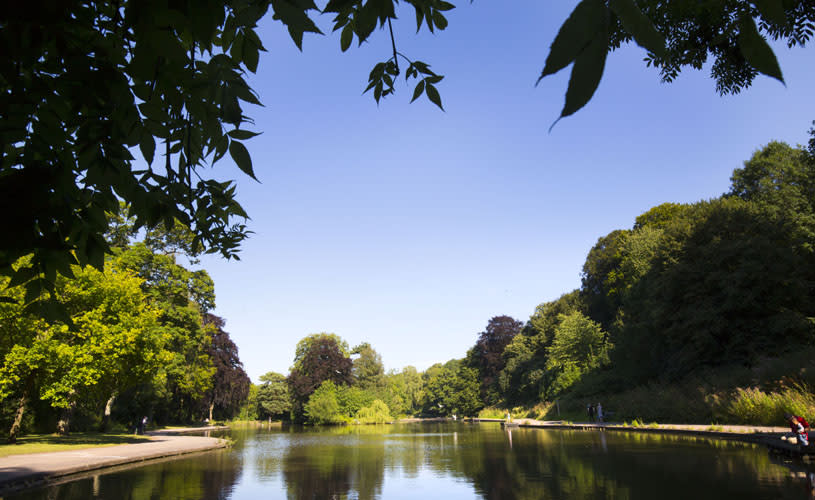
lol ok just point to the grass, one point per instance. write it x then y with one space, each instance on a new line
44 443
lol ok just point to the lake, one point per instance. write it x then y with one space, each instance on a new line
451 461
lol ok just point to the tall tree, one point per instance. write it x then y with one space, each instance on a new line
598 289
114 343
368 370
451 388
230 384
487 354
182 297
273 396
323 359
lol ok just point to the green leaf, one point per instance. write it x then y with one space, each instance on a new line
444 6
251 54
147 146
236 51
579 30
419 17
638 24
346 37
22 276
586 74
365 21
33 290
756 50
242 135
433 95
772 10
338 5
439 20
242 159
418 90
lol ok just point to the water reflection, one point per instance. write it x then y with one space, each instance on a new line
453 461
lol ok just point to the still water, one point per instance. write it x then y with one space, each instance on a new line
451 461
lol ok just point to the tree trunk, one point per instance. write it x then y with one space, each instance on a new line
211 407
64 424
18 418
105 425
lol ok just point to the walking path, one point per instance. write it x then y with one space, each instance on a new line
19 472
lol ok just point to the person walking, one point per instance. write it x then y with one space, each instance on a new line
599 413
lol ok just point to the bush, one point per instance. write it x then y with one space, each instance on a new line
754 406
377 413
322 407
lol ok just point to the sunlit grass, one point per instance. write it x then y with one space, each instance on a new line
44 443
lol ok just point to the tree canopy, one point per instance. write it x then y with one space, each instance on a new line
87 87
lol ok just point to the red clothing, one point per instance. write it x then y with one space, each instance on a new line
798 420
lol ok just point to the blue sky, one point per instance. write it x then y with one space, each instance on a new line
409 228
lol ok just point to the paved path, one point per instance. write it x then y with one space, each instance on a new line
27 471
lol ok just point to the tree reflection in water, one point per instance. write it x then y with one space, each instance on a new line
453 461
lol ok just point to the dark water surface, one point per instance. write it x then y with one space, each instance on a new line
451 461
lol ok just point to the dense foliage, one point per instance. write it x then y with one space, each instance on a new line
138 341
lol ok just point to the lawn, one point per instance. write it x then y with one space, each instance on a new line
42 443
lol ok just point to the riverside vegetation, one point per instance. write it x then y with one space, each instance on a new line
698 313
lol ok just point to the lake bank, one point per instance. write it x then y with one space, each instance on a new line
25 471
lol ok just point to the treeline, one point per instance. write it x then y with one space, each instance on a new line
137 340
687 290
332 383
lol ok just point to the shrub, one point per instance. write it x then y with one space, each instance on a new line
377 413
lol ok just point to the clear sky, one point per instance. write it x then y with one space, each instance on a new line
409 228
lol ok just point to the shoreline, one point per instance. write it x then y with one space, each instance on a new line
752 434
35 470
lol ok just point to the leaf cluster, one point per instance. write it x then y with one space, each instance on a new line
677 35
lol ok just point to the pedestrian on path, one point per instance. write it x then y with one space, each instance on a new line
599 413
799 427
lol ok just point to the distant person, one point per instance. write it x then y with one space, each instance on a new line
799 427
599 413
590 411
143 425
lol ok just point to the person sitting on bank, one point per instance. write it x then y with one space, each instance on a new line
799 427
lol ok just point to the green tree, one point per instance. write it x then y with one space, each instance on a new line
599 278
405 389
580 345
182 297
273 396
782 179
728 284
451 389
113 344
322 406
368 370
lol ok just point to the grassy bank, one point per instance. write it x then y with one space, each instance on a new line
756 395
43 443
